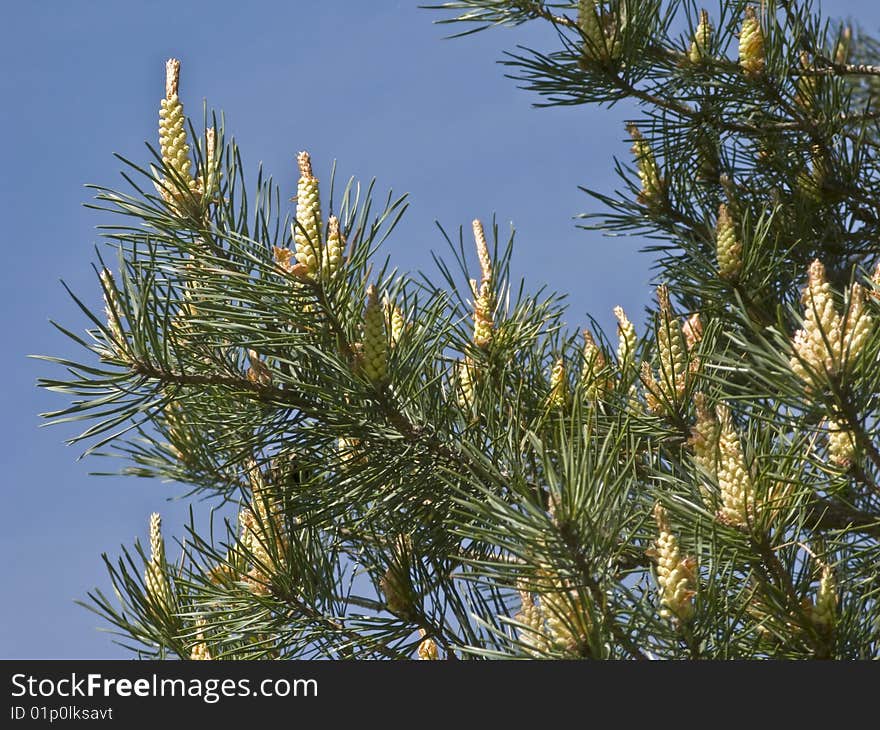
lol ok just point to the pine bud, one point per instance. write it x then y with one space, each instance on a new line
396 584
307 229
818 344
483 309
210 174
653 192
734 481
200 650
258 372
375 354
172 138
157 543
708 160
841 443
675 575
841 49
825 610
812 177
254 539
807 85
482 251
673 351
427 650
693 331
466 375
333 252
181 439
751 44
653 393
262 533
702 38
113 312
858 324
155 579
626 339
728 249
559 394
593 377
349 449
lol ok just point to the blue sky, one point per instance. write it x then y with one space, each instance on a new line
370 84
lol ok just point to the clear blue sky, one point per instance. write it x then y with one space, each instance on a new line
371 84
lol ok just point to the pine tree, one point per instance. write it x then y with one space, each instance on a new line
433 466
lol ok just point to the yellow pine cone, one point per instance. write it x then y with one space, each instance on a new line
307 229
858 324
559 395
626 339
737 493
200 650
335 247
841 443
818 343
751 44
589 24
484 325
567 618
375 353
531 616
825 610
593 379
673 350
395 321
562 616
653 190
601 31
155 579
728 248
704 437
427 650
874 283
702 39
172 138
675 575
262 534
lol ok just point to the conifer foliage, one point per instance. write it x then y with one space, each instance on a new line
433 466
